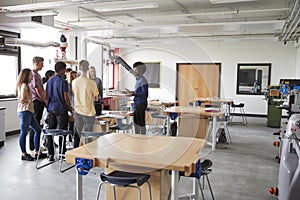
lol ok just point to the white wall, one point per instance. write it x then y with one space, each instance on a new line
297 72
282 57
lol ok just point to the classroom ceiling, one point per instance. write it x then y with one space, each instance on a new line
136 22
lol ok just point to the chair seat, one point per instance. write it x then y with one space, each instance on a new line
57 132
241 105
124 178
158 116
121 127
93 134
206 164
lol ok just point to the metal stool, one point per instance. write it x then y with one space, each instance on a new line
205 170
120 126
242 112
89 135
124 179
157 116
224 121
202 169
61 134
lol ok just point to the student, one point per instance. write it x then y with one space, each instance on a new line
140 97
98 81
38 94
25 112
70 77
58 106
85 93
49 74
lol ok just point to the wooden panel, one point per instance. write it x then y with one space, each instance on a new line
193 126
196 81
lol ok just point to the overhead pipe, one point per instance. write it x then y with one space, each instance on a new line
284 31
19 42
118 60
292 27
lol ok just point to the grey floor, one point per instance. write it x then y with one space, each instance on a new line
243 170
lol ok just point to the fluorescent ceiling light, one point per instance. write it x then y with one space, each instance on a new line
49 5
228 1
35 6
136 6
32 13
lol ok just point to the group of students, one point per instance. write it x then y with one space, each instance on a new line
63 99
56 98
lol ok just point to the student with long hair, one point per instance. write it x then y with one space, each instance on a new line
25 112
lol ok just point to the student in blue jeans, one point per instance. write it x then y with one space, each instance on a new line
25 112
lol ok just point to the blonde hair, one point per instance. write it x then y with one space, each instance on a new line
83 65
37 59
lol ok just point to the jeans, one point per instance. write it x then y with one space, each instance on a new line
38 114
57 119
82 121
27 120
139 118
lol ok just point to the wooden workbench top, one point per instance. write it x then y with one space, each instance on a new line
153 152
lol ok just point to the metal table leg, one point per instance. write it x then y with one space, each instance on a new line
174 185
168 125
214 133
78 186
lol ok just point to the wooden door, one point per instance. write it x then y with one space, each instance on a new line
197 81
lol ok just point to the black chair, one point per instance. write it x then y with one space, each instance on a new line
224 121
124 179
202 170
242 112
61 134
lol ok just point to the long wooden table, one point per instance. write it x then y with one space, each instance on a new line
140 152
201 112
227 102
108 115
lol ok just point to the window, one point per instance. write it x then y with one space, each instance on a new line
253 78
8 77
10 66
152 74
108 76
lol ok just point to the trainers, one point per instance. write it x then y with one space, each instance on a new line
27 157
51 158
41 156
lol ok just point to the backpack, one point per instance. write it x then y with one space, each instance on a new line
174 129
221 135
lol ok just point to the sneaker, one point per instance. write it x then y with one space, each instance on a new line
51 158
27 157
41 156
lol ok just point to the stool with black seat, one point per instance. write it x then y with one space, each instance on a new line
224 121
242 112
124 179
60 134
202 170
